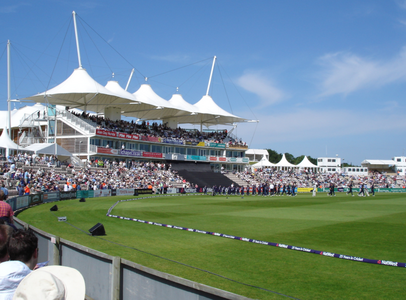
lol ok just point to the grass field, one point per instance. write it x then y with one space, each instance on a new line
368 227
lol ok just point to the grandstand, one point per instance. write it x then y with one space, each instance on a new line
200 174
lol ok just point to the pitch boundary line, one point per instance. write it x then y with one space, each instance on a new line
244 239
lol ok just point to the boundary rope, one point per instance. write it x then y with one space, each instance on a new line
175 261
244 239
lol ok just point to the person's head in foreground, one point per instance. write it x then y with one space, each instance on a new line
52 282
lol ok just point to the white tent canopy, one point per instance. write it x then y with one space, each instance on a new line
7 143
181 104
152 106
306 163
17 115
80 90
263 163
134 105
283 163
49 149
211 114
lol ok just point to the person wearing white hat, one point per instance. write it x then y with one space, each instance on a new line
52 283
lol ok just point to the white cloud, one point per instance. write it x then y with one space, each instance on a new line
263 87
345 73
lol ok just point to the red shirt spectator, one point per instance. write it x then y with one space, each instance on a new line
5 209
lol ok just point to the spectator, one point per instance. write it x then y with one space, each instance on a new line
6 212
53 282
27 190
5 190
23 252
5 234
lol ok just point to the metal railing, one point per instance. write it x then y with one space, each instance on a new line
85 126
76 161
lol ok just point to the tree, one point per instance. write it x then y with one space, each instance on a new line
274 156
312 160
290 158
298 160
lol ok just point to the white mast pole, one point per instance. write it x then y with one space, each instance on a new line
129 79
77 39
8 89
211 74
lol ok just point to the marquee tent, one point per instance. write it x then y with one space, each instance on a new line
263 163
7 143
306 164
283 163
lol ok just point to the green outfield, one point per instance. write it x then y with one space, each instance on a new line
368 227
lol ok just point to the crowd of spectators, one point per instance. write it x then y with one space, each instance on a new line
37 174
308 178
94 175
162 130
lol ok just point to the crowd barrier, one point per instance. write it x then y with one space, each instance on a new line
109 277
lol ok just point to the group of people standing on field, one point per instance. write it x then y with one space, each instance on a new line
363 189
260 190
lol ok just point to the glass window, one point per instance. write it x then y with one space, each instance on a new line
156 149
168 149
95 142
191 151
145 147
180 150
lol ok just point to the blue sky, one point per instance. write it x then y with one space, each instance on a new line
322 77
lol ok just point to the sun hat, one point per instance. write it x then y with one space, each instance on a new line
52 282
